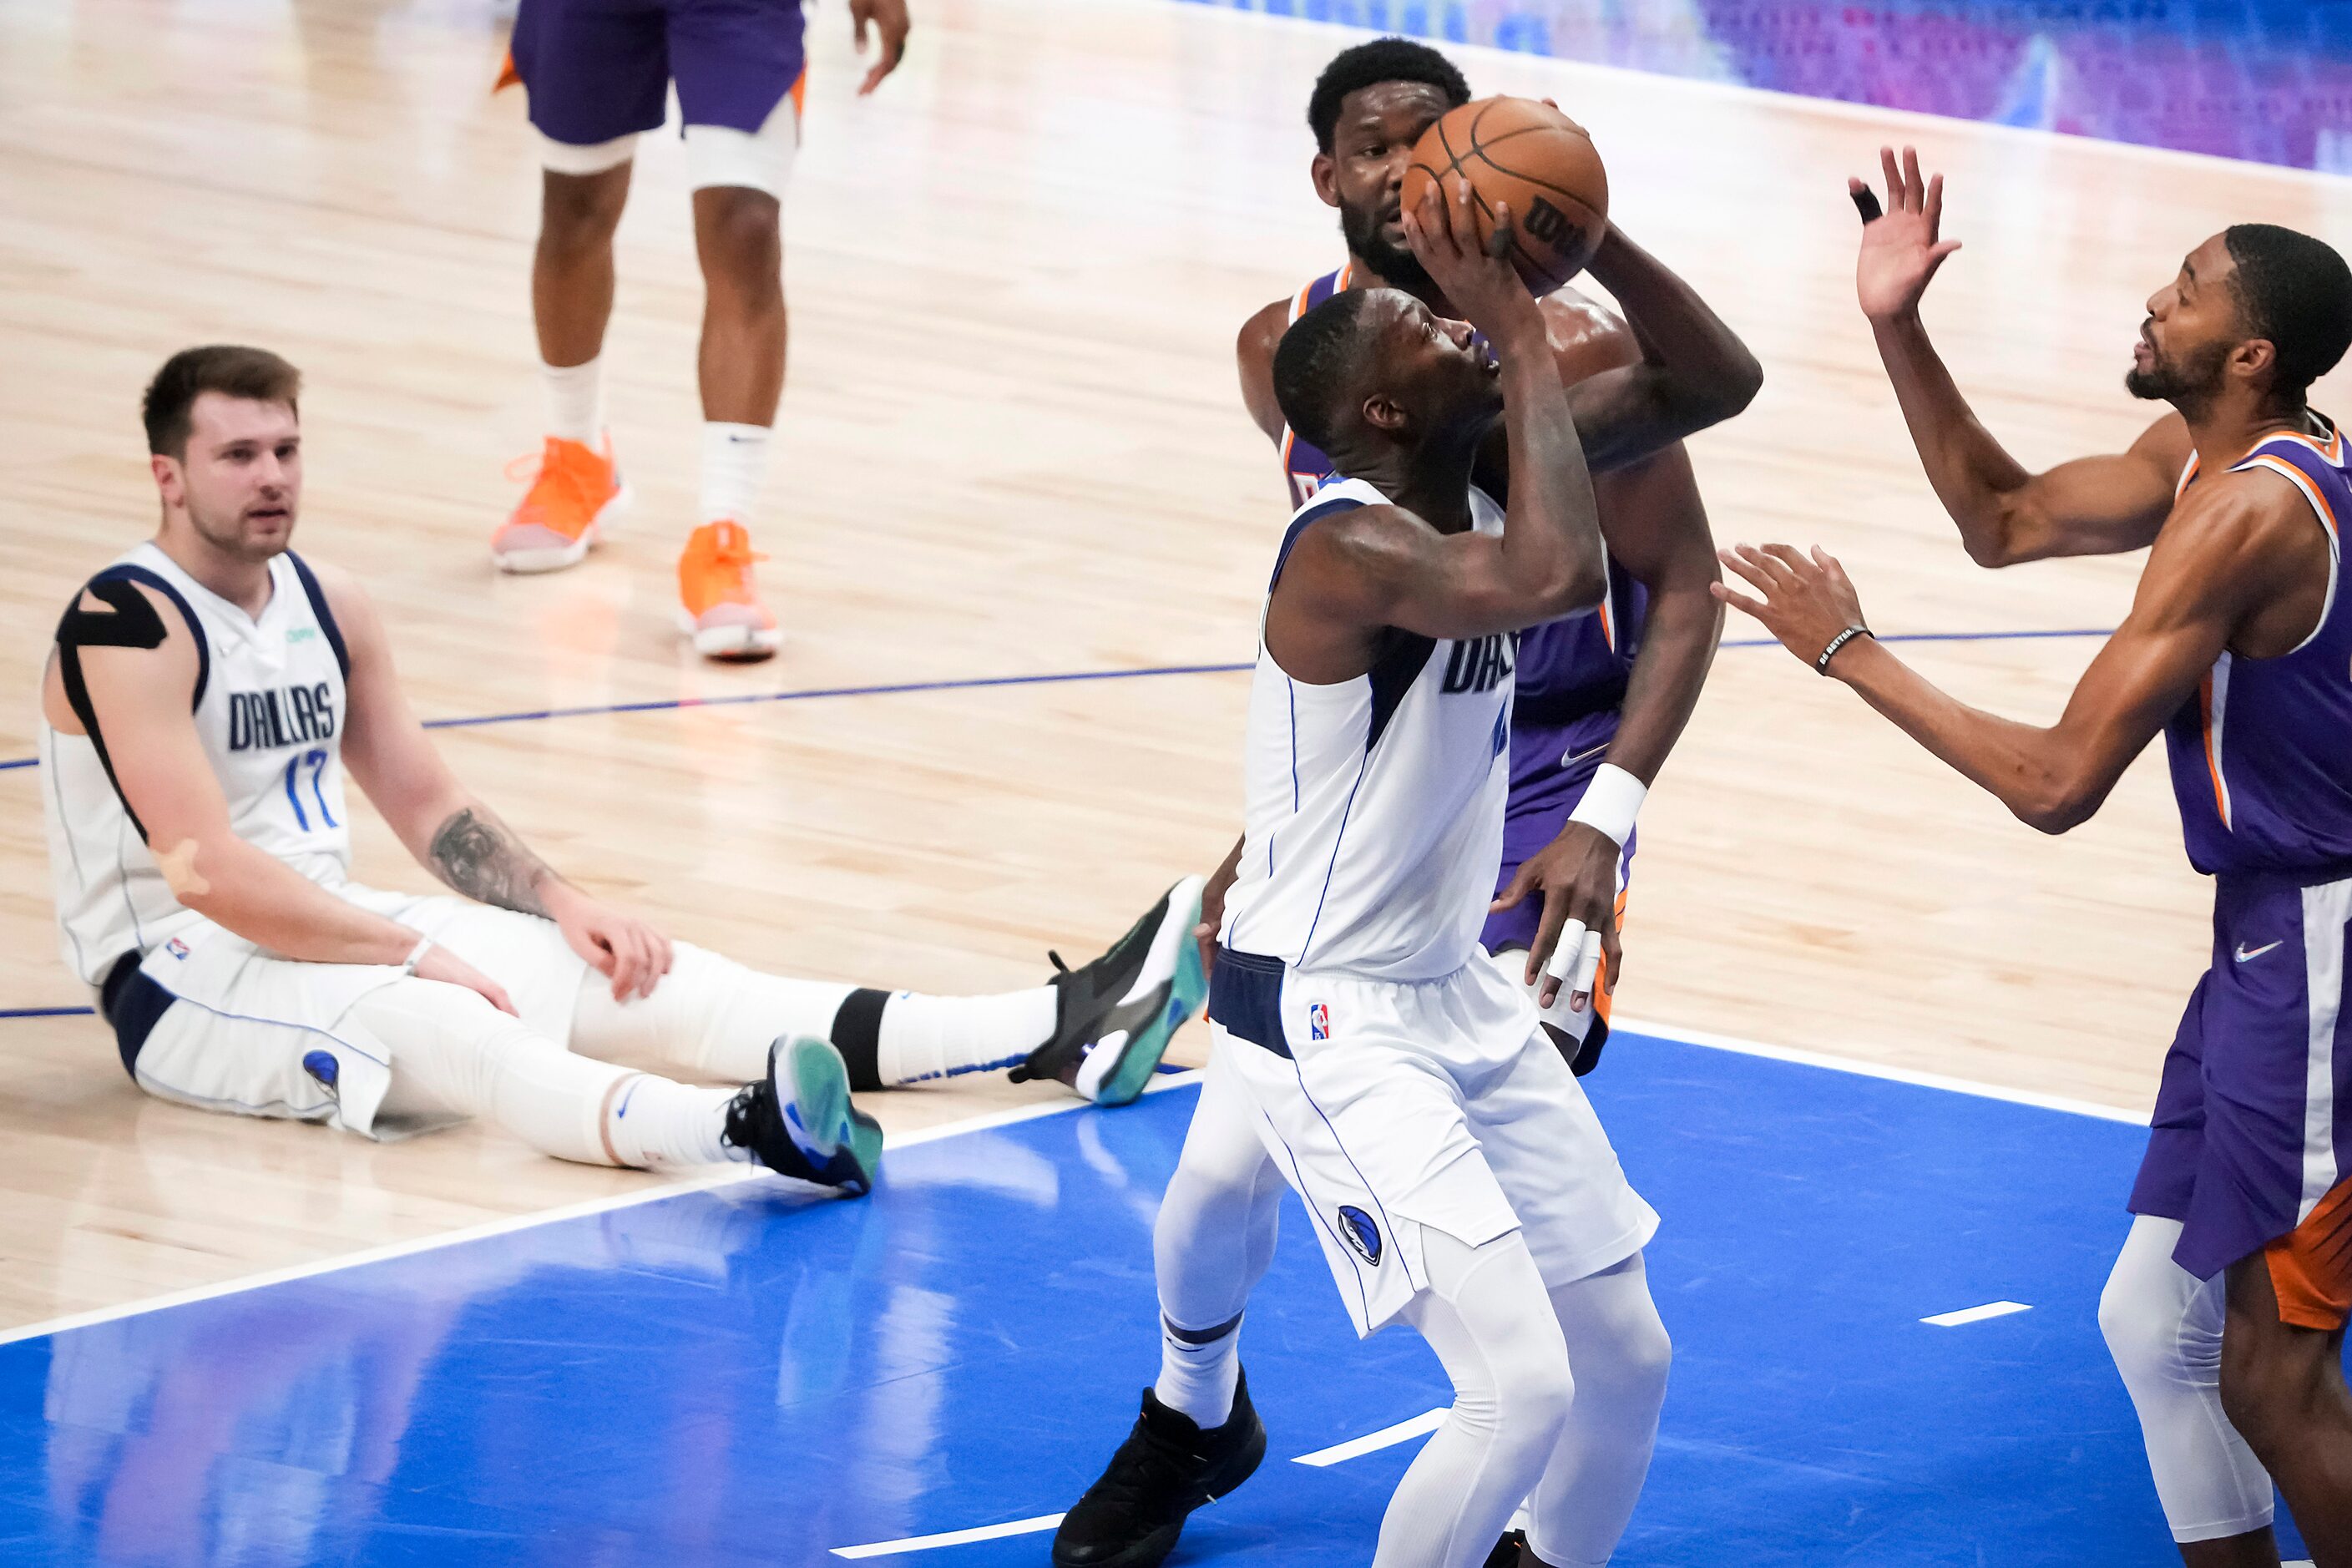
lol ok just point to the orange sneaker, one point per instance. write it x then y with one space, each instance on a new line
720 609
556 521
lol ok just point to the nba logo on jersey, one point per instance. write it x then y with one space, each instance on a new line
1318 1022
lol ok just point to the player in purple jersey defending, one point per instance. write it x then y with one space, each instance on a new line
1198 1436
1601 697
598 73
2226 1310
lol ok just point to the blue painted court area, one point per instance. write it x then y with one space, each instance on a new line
741 1376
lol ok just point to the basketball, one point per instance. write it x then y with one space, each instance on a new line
1535 160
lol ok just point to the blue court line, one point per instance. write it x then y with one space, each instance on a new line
904 688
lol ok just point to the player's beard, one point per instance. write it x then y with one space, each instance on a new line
226 532
2188 383
1361 227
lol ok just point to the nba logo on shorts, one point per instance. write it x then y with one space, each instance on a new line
1318 1022
177 948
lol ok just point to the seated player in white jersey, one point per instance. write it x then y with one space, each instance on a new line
205 694
2226 1308
1600 700
1401 1082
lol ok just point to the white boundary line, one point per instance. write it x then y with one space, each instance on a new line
1013 1117
1373 1442
513 1222
1037 1526
1976 1315
1861 1068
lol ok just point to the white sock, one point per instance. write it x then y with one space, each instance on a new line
575 401
734 461
652 1122
925 1037
1198 1370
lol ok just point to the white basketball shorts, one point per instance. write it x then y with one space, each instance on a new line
248 1032
1394 1108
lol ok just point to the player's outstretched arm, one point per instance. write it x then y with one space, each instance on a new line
450 830
137 663
2092 506
1693 371
2234 554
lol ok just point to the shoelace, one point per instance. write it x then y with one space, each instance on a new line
1156 1470
533 465
731 548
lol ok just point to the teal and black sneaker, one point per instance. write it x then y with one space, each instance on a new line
1113 1017
798 1120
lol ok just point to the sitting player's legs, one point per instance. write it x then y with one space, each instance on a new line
739 70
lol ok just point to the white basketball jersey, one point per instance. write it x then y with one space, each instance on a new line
269 709
1375 806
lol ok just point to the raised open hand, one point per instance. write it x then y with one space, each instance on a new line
1902 246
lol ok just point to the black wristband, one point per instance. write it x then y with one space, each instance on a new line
1822 665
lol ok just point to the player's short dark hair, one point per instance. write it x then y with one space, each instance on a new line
1316 360
1365 65
2296 292
229 369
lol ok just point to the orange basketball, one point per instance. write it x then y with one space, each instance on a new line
1533 159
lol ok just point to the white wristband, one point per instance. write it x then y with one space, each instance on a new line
1611 802
416 956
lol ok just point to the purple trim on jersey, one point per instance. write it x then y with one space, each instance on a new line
2256 1100
2262 754
597 69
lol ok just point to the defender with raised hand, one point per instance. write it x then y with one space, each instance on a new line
2226 1310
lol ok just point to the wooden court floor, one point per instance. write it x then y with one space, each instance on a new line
1012 446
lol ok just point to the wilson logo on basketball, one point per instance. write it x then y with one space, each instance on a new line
1546 222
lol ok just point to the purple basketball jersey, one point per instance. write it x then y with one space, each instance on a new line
2262 755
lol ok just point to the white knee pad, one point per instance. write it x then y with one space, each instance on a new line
588 158
721 155
2163 1326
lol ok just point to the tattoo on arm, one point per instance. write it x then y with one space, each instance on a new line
479 856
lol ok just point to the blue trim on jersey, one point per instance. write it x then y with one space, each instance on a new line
1401 661
317 597
1315 513
1337 840
128 572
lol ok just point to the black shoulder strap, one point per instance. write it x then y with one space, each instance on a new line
319 607
127 621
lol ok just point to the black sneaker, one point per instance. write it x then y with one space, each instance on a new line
798 1120
1167 1467
1113 1017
